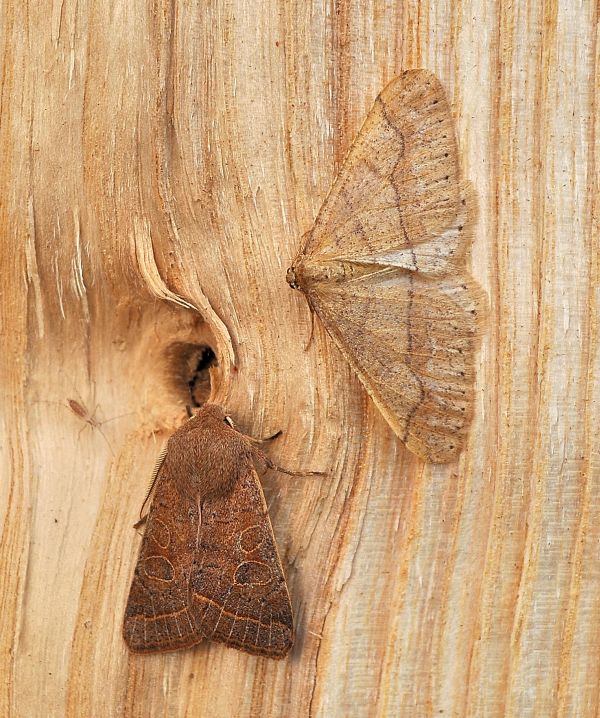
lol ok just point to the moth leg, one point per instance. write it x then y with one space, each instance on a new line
312 327
141 522
261 458
267 438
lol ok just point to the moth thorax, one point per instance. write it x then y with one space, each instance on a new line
327 272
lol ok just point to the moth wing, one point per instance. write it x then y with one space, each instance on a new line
157 616
412 341
399 185
238 591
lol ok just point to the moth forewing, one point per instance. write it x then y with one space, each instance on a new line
242 598
437 255
208 566
399 182
384 267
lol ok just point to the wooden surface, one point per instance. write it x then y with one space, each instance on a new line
160 162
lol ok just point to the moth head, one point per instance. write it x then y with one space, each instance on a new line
291 277
214 411
295 274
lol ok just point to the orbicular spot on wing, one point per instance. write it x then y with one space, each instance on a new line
158 532
159 568
252 573
251 538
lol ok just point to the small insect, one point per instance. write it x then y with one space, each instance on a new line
85 414
208 567
384 267
89 418
78 408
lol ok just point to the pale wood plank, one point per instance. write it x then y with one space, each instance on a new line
154 156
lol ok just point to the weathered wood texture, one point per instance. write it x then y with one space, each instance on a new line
171 149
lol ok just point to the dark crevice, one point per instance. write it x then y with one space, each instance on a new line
189 366
199 381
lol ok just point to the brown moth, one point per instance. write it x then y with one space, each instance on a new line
208 566
384 267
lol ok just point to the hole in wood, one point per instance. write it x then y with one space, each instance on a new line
199 382
190 365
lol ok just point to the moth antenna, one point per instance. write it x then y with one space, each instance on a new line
200 505
189 411
141 522
157 467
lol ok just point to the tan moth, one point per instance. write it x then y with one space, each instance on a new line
384 267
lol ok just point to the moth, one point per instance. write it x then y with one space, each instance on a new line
384 267
208 566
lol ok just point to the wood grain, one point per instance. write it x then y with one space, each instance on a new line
160 163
